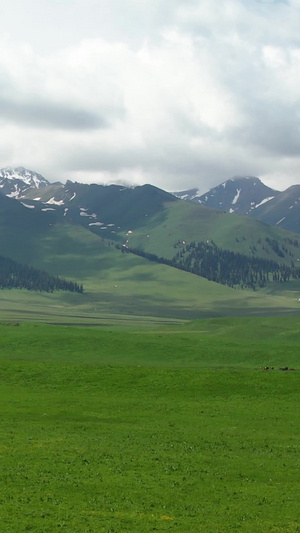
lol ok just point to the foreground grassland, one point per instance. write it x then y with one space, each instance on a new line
172 429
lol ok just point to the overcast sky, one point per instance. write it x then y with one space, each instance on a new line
176 93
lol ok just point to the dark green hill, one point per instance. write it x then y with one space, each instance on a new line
21 228
114 206
104 209
14 213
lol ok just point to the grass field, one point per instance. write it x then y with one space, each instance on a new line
160 299
161 429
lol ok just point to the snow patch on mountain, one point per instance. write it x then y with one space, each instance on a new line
235 199
29 206
52 201
15 193
196 195
264 201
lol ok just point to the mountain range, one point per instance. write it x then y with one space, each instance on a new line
62 228
242 195
127 214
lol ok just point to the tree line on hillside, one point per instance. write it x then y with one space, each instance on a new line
14 275
224 266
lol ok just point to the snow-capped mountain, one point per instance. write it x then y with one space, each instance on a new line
240 195
15 181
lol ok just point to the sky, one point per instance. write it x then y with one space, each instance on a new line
176 93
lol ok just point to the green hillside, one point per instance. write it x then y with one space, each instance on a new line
152 220
184 221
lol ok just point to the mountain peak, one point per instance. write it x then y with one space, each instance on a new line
246 181
14 181
239 194
251 178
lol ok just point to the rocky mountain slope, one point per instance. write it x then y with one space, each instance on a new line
239 195
283 210
249 196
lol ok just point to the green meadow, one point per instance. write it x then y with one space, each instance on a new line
150 426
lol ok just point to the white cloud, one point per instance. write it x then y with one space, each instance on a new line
178 94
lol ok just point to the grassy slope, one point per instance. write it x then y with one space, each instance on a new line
158 223
150 430
188 222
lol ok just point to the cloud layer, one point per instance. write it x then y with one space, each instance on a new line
176 93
